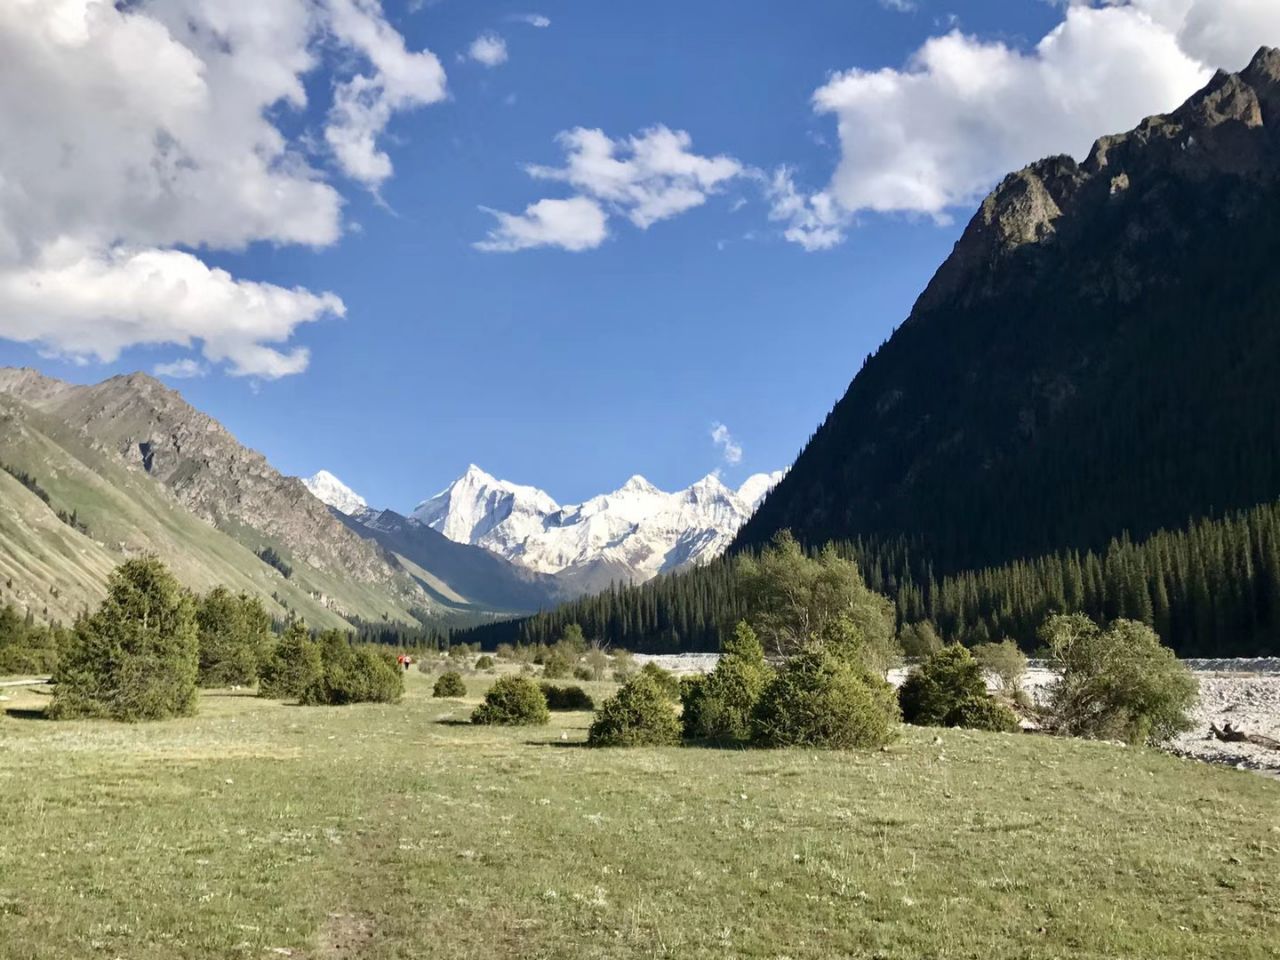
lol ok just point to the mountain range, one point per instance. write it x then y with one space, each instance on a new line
93 474
629 535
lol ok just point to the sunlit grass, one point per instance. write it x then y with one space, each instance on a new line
379 832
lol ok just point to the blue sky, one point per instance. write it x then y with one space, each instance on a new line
572 370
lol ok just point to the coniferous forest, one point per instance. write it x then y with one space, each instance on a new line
1211 589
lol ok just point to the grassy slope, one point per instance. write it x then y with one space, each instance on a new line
380 832
126 513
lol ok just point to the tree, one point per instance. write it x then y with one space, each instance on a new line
235 632
1120 683
791 597
292 667
1005 662
720 706
352 674
640 714
137 656
919 640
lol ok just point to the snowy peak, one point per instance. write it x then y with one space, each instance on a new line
328 489
638 528
756 487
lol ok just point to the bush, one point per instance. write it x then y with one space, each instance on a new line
638 715
668 683
235 632
1117 684
25 647
449 685
720 706
583 673
484 662
136 658
985 713
624 665
557 664
352 674
1005 662
919 640
820 700
292 667
513 702
566 698
947 690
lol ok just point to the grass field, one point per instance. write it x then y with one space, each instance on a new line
260 830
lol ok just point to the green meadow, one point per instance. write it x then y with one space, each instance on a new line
259 829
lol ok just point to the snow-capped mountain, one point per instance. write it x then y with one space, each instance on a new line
637 531
328 489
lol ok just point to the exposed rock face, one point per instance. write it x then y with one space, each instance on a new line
150 427
1094 356
1231 127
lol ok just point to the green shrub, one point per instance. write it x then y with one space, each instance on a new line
449 685
352 674
984 713
668 683
566 698
1005 662
583 673
25 647
624 665
484 662
292 666
640 714
235 634
557 664
513 702
1116 684
818 699
720 706
137 656
947 690
919 640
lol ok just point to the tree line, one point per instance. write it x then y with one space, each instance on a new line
1209 589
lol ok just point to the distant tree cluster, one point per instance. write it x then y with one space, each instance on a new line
328 670
27 647
1211 589
271 558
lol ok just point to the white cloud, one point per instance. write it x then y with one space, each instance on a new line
813 221
127 130
183 369
488 49
730 449
399 80
80 302
939 133
899 6
532 19
575 224
646 178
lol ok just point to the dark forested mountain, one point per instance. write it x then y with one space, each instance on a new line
1100 353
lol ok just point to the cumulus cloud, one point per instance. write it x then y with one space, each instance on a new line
398 79
730 449
575 224
938 133
84 303
129 130
645 178
813 221
488 49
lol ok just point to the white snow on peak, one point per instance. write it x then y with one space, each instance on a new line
638 527
328 489
756 487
